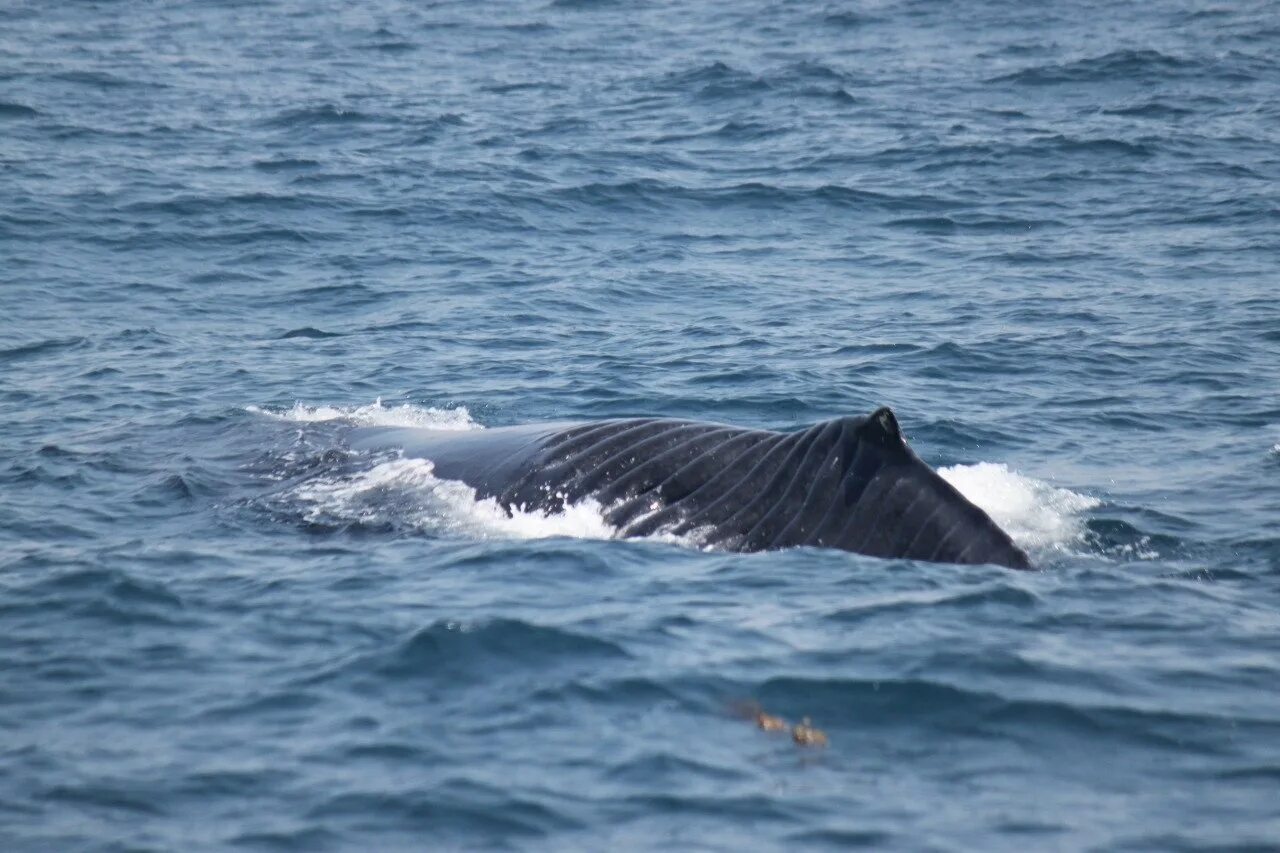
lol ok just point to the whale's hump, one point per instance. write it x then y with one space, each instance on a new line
850 483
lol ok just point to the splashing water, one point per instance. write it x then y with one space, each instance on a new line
1036 514
406 494
377 414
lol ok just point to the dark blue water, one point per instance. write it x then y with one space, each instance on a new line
1049 236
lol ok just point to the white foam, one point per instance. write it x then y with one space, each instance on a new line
406 493
1036 514
376 414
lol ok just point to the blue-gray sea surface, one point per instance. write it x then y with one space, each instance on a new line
1047 234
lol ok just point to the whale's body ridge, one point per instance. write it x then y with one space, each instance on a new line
850 483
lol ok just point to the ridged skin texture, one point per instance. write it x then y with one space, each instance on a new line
850 483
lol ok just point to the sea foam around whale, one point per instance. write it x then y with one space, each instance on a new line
376 414
1036 514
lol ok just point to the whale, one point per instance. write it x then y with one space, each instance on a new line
851 483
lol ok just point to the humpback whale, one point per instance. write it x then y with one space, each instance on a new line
851 483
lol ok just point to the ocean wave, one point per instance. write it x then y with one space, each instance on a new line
286 164
849 20
472 650
972 224
460 811
110 596
12 110
197 205
103 80
40 348
733 131
585 4
1121 540
649 192
716 79
1003 593
966 707
322 114
1117 65
309 332
1150 108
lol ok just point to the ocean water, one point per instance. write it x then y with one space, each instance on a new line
1047 234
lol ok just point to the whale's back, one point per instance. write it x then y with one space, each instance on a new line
850 483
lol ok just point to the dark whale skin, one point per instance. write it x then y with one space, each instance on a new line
851 483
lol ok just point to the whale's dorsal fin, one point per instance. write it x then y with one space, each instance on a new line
881 427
